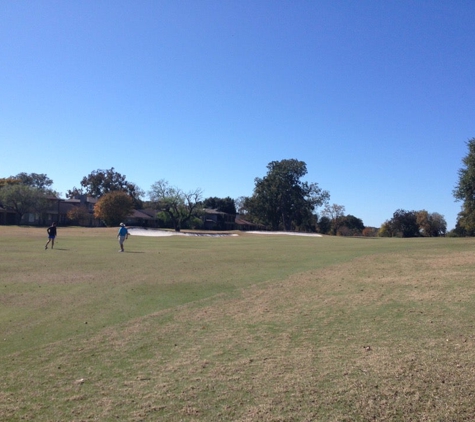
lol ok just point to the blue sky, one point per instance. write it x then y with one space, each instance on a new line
376 97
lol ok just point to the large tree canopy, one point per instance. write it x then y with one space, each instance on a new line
414 224
404 224
35 180
25 193
431 224
226 205
179 206
335 213
351 226
23 199
282 200
465 192
113 208
7 181
100 182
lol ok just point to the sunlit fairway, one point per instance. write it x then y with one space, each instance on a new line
246 328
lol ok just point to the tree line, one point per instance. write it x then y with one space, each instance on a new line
25 193
281 200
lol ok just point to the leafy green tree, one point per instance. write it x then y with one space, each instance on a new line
179 206
414 224
438 224
281 199
240 205
386 230
431 224
335 213
404 224
304 220
370 232
75 192
460 225
23 199
8 181
353 222
35 180
324 225
465 192
100 182
424 223
226 205
350 225
114 207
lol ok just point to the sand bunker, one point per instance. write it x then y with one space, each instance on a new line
290 233
140 231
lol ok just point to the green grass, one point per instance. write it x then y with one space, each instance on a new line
247 328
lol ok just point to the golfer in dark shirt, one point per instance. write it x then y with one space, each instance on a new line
51 235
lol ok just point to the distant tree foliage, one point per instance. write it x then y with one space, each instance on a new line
35 180
334 221
78 214
404 224
335 214
6 181
414 224
438 225
226 205
324 225
23 199
179 206
113 207
349 225
304 220
75 192
100 182
385 230
240 205
370 232
431 224
281 200
465 192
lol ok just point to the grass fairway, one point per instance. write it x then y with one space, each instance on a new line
248 328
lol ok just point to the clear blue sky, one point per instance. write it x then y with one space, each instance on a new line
377 97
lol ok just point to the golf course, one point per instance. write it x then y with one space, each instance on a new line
235 328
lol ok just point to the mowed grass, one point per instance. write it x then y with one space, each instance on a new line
247 328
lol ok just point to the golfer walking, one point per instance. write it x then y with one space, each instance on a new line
51 235
122 235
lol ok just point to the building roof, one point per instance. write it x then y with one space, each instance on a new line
149 211
64 207
213 211
240 221
2 209
140 214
